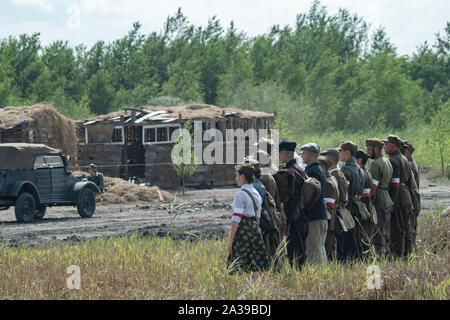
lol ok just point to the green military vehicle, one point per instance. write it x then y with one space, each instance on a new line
35 176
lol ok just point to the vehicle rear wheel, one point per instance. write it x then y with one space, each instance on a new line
86 203
40 212
25 207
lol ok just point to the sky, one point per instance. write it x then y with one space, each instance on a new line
408 23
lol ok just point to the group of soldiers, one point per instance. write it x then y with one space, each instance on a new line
361 212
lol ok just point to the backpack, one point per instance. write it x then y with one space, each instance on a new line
268 212
310 193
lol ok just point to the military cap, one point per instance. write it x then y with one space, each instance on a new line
395 140
325 161
313 147
251 160
374 142
362 155
92 166
348 145
331 152
409 146
287 146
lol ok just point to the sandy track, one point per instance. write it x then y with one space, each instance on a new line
204 213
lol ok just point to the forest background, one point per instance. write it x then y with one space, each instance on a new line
327 78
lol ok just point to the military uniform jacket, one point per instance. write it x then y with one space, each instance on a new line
331 194
99 180
355 184
415 171
367 196
381 171
318 210
401 182
290 206
271 187
354 177
342 186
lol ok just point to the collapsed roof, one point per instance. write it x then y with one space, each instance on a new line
169 114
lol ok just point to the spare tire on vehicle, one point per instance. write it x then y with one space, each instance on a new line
25 207
86 203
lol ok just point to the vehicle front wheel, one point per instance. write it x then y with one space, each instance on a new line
86 203
40 212
25 207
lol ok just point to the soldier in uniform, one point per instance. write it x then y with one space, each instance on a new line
317 214
381 171
368 225
401 183
296 229
355 184
333 155
331 198
96 177
407 151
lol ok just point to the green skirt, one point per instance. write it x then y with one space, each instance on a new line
249 253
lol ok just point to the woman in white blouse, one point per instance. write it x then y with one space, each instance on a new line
246 246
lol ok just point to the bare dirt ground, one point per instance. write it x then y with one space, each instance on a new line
201 213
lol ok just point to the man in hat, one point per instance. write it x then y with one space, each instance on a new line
96 177
399 189
333 155
368 222
331 198
317 214
269 181
381 171
297 230
407 151
355 186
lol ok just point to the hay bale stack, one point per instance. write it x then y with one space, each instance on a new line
120 191
39 124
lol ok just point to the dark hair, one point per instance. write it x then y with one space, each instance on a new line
247 170
362 155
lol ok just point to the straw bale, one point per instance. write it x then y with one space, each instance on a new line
120 191
44 125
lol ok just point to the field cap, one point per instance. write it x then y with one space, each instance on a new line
325 161
362 155
313 147
287 146
348 145
375 142
409 146
395 140
331 152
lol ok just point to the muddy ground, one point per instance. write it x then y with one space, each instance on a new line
201 213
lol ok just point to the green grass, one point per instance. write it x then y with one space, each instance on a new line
136 267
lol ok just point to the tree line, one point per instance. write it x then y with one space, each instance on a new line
326 72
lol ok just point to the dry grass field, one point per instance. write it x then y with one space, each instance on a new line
135 267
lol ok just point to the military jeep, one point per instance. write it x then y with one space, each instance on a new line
35 176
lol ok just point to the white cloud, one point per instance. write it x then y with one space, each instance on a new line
43 4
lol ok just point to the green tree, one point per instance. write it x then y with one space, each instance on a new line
440 132
184 161
100 92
